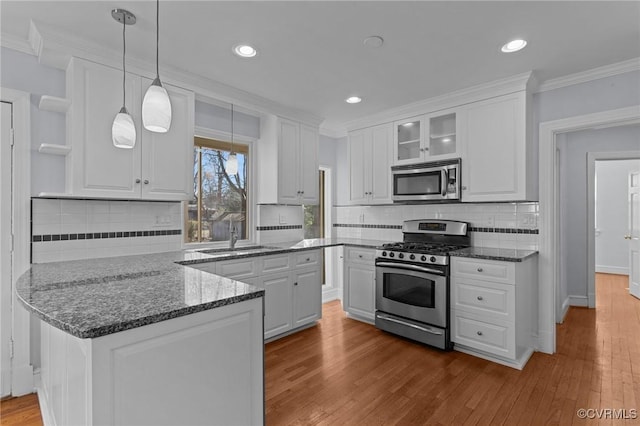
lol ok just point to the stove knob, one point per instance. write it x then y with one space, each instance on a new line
412 257
401 256
423 258
392 254
384 253
432 258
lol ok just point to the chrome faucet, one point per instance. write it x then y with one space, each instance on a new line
233 235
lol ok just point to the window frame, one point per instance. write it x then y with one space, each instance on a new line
249 143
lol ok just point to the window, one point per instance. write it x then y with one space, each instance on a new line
220 199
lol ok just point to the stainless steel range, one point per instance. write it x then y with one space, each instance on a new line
412 280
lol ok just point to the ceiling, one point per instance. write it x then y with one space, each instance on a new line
311 53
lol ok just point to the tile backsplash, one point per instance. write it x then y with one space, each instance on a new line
64 229
278 223
503 225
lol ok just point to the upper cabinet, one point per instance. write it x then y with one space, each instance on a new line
497 162
430 137
159 167
288 166
369 153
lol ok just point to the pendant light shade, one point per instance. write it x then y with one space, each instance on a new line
156 105
156 108
123 130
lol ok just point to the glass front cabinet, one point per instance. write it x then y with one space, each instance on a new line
430 137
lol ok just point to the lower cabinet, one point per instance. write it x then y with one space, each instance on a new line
494 308
292 284
359 283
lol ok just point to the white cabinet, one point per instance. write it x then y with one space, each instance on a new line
159 167
292 284
493 308
497 160
369 154
430 137
359 283
288 166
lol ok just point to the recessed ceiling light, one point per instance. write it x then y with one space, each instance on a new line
514 46
245 51
353 100
374 42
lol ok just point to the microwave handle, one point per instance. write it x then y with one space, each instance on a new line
445 182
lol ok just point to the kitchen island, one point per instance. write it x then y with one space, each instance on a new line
143 340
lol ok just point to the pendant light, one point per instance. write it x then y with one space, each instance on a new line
232 162
156 106
123 130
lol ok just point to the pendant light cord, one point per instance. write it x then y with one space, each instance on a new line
124 52
231 129
157 38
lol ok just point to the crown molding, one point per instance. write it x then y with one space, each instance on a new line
55 48
10 41
589 75
334 133
476 93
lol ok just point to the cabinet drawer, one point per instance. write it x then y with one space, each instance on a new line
237 268
503 272
360 255
275 263
307 258
484 297
470 330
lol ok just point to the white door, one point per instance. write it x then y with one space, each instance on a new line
634 234
307 297
5 249
277 304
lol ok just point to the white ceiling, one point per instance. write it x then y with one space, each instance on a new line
311 53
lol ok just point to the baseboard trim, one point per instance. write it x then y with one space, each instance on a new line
330 294
578 301
22 380
546 344
618 270
565 309
518 363
45 409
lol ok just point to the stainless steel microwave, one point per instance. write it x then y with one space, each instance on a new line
427 182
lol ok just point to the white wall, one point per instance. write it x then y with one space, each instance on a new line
612 182
573 199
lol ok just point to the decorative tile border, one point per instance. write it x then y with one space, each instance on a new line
362 225
504 230
278 228
104 235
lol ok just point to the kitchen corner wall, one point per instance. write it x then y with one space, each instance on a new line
278 223
64 229
500 225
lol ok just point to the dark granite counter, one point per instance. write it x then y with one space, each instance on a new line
503 254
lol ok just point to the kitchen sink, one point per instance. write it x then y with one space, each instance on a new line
238 250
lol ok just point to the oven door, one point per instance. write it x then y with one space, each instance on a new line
413 292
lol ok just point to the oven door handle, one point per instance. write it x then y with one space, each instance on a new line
409 267
408 324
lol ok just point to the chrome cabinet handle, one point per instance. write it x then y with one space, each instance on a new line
138 181
464 188
146 181
480 269
295 283
480 298
627 237
479 333
308 259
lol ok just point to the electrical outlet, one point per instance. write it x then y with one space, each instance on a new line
282 219
489 221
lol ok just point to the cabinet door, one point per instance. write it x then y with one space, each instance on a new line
96 168
379 165
358 166
442 135
307 297
494 166
309 184
288 164
167 158
409 142
278 310
359 290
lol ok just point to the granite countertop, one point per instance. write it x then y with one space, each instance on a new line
96 297
503 254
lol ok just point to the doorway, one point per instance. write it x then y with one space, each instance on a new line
5 246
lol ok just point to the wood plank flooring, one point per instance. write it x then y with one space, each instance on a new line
349 373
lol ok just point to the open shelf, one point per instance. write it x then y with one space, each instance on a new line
48 148
54 104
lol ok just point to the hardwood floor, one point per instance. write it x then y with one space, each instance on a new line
349 373
24 411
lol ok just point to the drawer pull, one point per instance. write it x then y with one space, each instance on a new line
480 298
479 333
308 259
360 256
480 269
295 283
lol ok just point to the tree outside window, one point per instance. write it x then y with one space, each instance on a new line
220 199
